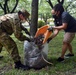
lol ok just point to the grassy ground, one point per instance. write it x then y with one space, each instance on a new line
68 67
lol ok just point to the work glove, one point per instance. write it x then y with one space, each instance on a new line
28 39
49 39
50 29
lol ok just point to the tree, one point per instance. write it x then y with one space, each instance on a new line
69 5
26 4
5 6
51 4
34 17
44 10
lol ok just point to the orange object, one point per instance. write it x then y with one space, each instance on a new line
43 30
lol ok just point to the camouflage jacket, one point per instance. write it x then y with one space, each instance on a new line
10 23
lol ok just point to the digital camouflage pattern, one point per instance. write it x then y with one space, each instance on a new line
10 23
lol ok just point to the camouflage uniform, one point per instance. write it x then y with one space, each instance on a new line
10 23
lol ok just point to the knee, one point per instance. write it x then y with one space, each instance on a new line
65 43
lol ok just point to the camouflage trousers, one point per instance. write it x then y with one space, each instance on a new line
7 42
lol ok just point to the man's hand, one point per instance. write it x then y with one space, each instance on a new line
50 29
49 39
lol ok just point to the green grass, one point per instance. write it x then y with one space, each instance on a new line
68 67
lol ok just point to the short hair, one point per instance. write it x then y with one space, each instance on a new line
58 7
24 13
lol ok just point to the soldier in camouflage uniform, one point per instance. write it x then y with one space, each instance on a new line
11 23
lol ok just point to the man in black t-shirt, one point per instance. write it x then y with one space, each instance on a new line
63 20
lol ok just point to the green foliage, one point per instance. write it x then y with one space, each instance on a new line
70 6
44 10
26 4
41 23
44 7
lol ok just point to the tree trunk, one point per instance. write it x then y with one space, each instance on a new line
34 17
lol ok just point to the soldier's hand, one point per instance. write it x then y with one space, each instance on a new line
49 39
28 39
27 33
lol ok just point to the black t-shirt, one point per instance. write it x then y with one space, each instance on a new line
66 18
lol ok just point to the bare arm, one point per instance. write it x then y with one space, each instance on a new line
56 31
63 26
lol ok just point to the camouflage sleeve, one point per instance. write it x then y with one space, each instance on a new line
18 32
24 29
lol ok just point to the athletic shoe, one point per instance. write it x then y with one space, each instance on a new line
60 59
69 55
19 65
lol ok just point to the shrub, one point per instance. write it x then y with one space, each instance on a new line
41 23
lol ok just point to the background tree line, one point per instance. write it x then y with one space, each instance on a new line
37 9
